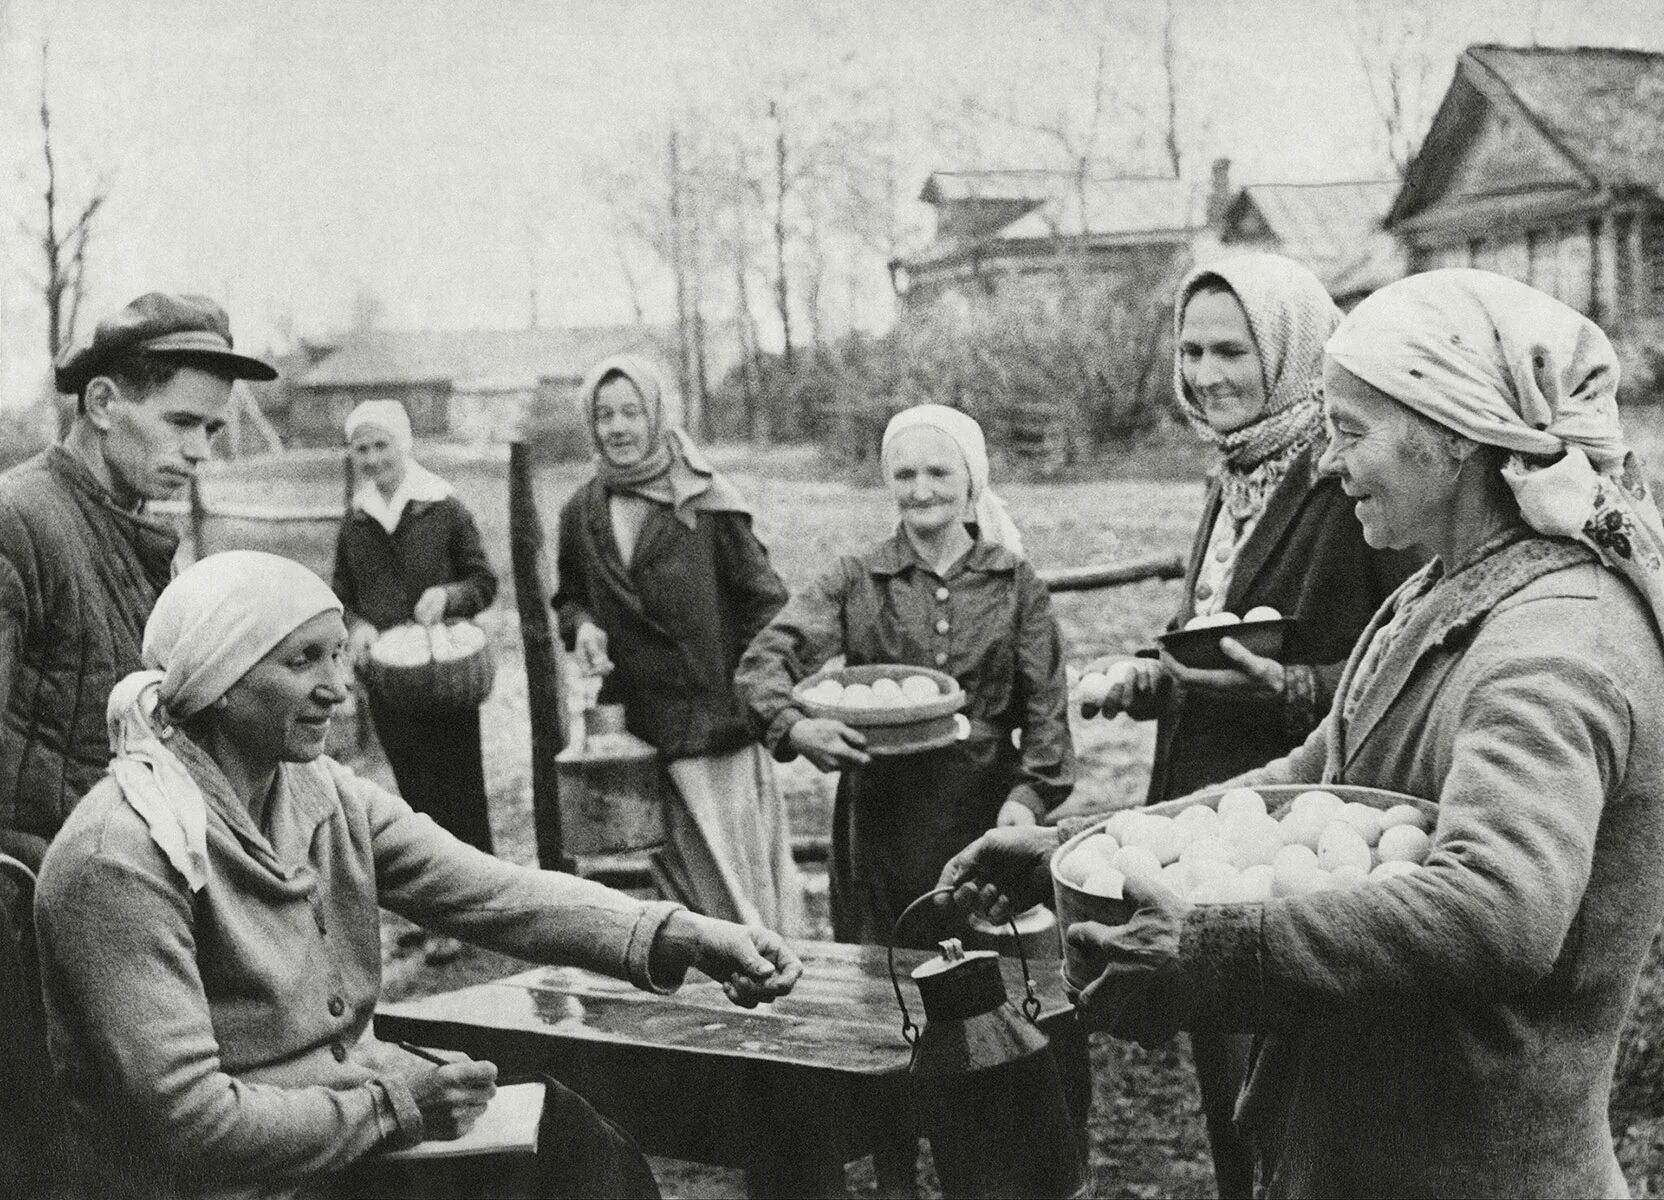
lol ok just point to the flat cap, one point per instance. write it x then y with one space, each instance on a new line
189 327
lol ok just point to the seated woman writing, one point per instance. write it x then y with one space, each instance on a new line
209 934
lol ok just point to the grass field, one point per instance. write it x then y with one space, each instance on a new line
1146 1132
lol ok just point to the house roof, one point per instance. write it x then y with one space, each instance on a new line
1050 204
1315 220
462 356
1601 108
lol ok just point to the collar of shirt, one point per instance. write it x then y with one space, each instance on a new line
897 556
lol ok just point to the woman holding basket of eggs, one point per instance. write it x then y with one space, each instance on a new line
409 552
1275 541
948 591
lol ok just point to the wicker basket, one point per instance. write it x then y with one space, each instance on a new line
901 729
444 685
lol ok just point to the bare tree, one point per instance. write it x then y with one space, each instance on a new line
1398 50
782 295
63 237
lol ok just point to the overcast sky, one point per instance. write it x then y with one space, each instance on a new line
284 155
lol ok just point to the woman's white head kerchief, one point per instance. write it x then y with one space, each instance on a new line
993 520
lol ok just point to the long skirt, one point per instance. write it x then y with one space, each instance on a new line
729 843
439 766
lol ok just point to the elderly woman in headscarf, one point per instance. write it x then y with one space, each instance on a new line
948 590
662 583
1451 1031
209 930
1248 375
409 550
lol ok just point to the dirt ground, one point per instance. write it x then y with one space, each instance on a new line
1146 1131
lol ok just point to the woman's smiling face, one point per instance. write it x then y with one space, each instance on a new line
928 479
623 424
280 710
1220 362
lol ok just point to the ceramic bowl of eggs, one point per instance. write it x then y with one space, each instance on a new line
1239 845
1260 630
900 709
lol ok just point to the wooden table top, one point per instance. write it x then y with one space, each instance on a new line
842 1015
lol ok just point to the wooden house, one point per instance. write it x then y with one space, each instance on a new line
1332 228
475 386
1547 165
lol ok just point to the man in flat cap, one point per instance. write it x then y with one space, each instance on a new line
81 564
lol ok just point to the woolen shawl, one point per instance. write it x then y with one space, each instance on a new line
674 472
993 520
217 619
1290 315
1506 365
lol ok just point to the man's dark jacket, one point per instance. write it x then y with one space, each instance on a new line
78 578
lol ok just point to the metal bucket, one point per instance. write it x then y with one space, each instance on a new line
611 788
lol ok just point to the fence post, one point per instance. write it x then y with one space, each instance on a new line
543 682
199 519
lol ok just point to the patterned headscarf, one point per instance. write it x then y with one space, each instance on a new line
674 471
1505 365
1289 317
993 521
218 618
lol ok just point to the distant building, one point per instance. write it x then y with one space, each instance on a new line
469 386
1547 165
1332 228
1002 234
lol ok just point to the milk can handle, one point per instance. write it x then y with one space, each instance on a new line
910 1031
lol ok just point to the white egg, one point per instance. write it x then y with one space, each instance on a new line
1317 800
1258 838
1366 820
1348 877
1093 689
1155 833
1137 861
1406 814
1340 845
1404 843
1392 869
920 688
1297 880
1106 882
1241 801
1262 612
1256 881
1215 848
1295 857
1199 817
1302 828
887 693
858 695
1118 821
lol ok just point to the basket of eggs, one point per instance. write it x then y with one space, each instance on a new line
899 709
1238 845
426 667
1260 631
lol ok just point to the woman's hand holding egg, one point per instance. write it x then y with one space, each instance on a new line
1113 685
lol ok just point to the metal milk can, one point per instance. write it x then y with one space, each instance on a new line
611 787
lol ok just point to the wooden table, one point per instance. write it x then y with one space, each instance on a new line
790 1091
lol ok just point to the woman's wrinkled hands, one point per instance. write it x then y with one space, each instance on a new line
1252 678
1134 968
830 745
589 644
1002 873
431 605
754 965
1133 683
453 1096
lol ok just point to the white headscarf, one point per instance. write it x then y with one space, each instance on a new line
419 483
993 520
218 618
1505 365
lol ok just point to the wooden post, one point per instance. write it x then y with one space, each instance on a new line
199 519
346 482
1085 579
543 682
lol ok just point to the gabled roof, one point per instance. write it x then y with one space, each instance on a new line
1601 110
1313 220
1031 207
525 356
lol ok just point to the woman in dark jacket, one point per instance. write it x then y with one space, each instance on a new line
1249 377
409 551
662 585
